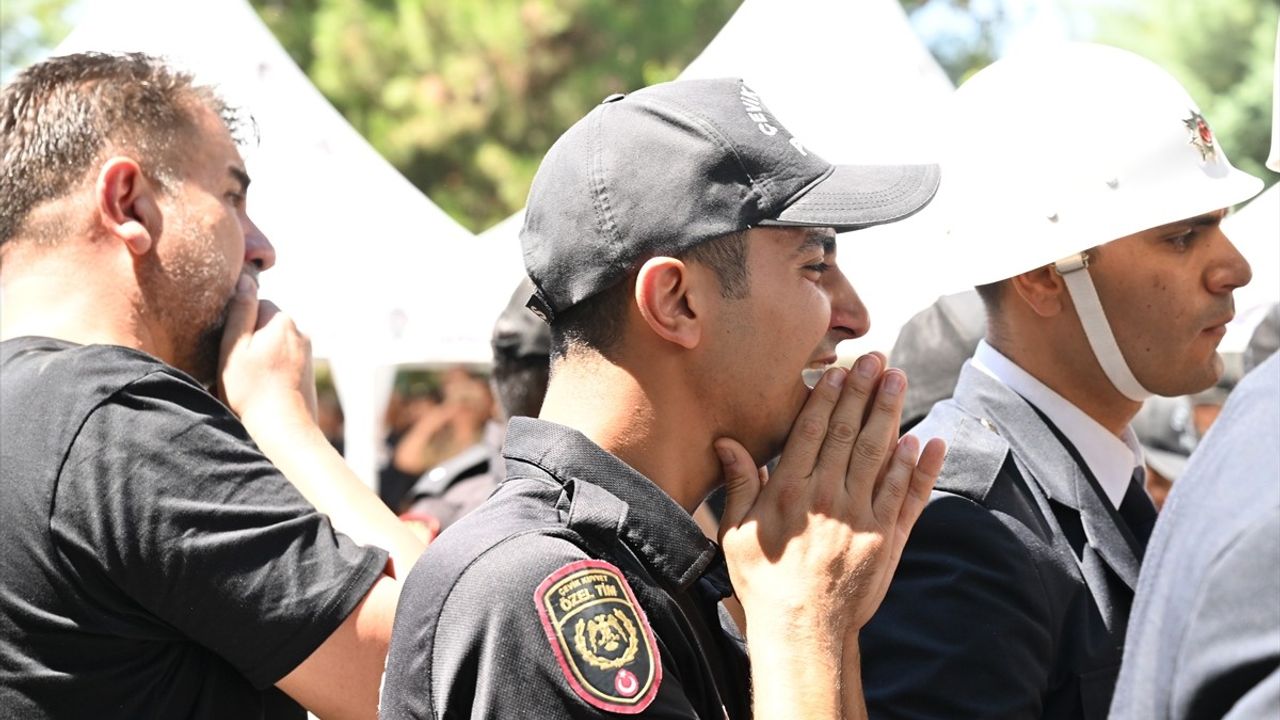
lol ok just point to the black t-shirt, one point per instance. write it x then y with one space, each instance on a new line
153 563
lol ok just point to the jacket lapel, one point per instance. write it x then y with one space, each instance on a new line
1037 449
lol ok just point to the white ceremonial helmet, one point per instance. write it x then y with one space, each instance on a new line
1051 152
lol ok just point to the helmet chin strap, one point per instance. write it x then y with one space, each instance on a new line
1075 272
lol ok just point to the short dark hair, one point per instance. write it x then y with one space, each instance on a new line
990 294
57 117
598 321
521 383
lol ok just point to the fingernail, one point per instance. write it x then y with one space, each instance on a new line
893 383
726 455
243 284
835 377
867 366
908 447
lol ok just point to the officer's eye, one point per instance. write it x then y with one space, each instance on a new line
1182 240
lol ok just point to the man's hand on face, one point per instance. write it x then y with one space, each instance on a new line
264 368
811 549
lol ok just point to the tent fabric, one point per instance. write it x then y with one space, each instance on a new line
1255 231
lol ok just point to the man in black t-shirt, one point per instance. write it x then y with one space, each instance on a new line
167 553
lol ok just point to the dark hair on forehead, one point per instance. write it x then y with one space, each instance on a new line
58 116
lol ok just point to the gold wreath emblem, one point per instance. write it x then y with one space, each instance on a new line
606 633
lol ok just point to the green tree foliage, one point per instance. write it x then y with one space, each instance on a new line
28 29
466 97
1221 50
963 55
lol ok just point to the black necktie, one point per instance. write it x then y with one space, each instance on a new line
1137 510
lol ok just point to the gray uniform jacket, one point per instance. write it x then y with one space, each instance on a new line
1205 635
1013 591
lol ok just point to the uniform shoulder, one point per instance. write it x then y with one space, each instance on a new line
467 584
976 452
518 532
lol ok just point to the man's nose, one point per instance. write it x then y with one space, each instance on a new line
849 316
258 250
1230 271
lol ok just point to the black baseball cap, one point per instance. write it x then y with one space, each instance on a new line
663 169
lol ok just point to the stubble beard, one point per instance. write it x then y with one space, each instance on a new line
191 298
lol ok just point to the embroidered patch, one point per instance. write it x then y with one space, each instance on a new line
600 636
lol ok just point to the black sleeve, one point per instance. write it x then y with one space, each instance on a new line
964 631
479 649
167 512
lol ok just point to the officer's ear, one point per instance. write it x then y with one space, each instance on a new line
1042 289
126 204
669 300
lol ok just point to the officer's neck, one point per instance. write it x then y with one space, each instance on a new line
612 408
1074 374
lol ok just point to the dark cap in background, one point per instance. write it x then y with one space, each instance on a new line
519 333
665 168
933 346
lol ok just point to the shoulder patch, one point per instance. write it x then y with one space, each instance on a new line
600 636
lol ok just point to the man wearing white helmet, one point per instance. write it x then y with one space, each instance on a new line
1204 639
1088 189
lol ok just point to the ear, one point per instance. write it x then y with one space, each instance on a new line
1042 289
127 204
665 300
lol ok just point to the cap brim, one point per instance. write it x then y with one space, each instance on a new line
858 196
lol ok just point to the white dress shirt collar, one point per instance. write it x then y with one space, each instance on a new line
1111 459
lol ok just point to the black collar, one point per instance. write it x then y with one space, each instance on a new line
655 527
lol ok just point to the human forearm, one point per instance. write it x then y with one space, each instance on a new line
265 377
410 456
793 673
851 699
302 454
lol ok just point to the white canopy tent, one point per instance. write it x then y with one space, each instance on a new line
368 266
1255 231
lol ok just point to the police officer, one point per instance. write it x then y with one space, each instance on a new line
681 242
1091 188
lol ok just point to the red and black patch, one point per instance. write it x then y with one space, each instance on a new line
600 636
1201 135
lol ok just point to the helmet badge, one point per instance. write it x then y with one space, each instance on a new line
1201 135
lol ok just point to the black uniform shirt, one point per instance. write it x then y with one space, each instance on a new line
579 590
